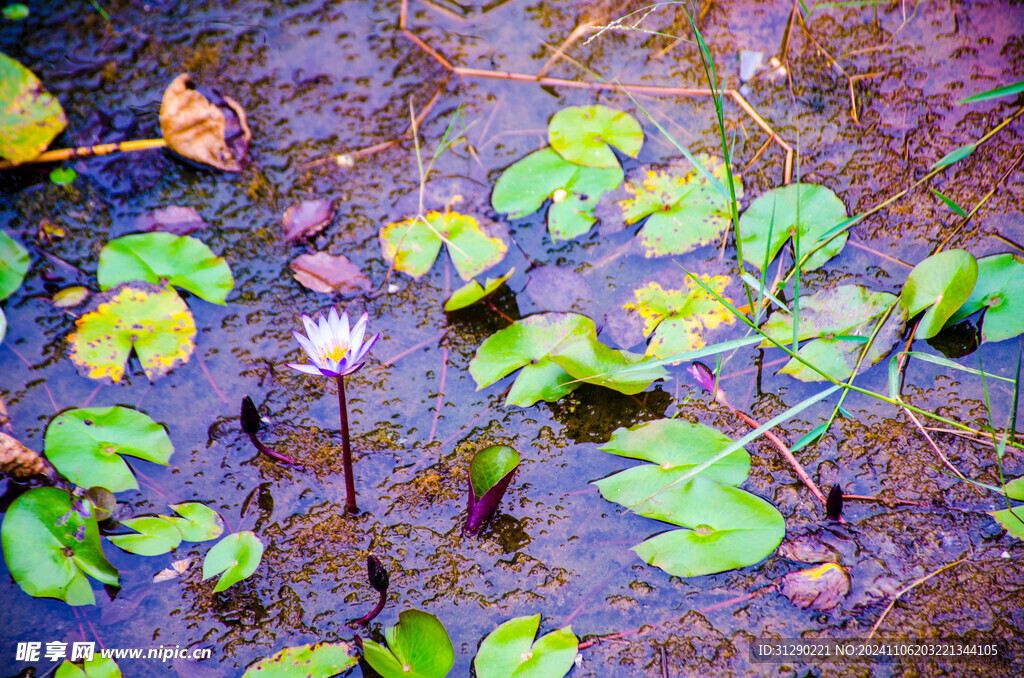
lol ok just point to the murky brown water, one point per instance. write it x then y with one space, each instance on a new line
321 78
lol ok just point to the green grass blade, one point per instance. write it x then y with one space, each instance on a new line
759 285
811 436
953 156
946 362
1008 90
959 211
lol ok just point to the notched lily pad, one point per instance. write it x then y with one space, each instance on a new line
153 536
153 320
584 134
773 218
821 587
418 647
330 274
234 558
490 473
307 218
198 522
509 651
86 445
30 117
684 210
14 262
160 258
472 292
213 133
303 661
679 318
414 244
999 291
941 284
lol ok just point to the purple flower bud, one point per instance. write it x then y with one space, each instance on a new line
703 375
378 576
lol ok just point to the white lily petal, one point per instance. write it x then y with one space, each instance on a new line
308 369
356 338
343 329
306 345
309 324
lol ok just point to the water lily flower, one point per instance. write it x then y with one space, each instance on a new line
334 348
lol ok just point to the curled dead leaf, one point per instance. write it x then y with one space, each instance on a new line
308 218
822 587
327 274
20 462
213 133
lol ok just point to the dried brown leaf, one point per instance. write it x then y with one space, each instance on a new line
19 462
196 129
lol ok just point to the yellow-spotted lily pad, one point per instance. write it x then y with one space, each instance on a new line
679 318
413 245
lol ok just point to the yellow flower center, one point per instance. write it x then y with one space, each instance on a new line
336 351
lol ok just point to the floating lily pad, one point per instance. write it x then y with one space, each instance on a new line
941 284
584 134
330 274
153 320
838 320
684 210
86 445
97 667
509 651
820 588
14 262
999 290
472 292
414 244
213 133
306 661
50 547
727 528
418 647
234 558
1010 520
803 209
30 117
490 473
62 176
573 189
157 258
174 219
679 318
198 522
155 535
557 351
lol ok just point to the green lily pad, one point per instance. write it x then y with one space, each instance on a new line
509 651
583 135
153 320
679 318
86 445
62 176
413 245
941 283
1012 523
198 522
684 210
557 352
1015 489
490 465
472 292
304 661
165 258
15 12
418 647
97 667
30 117
156 535
573 189
797 208
14 262
727 528
832 319
999 290
234 558
50 547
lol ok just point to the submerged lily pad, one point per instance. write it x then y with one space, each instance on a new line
159 258
330 274
307 218
30 117
86 445
679 318
234 558
414 244
583 135
557 351
153 320
50 547
726 528
684 210
941 284
154 535
782 213
999 290
14 262
820 588
418 647
472 292
303 661
175 219
509 651
573 189
490 473
838 320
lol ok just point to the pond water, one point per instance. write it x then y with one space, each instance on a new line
322 78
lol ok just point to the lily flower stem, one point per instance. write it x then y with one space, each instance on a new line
369 616
269 452
346 446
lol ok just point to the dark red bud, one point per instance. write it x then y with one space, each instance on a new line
378 576
834 503
250 416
